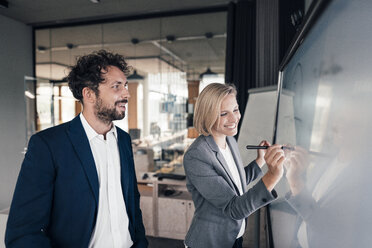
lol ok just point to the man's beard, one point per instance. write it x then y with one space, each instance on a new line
107 114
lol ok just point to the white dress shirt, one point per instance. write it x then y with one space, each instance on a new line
236 177
112 224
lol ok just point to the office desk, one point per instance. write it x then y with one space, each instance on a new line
166 205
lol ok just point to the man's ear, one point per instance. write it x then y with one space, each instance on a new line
88 95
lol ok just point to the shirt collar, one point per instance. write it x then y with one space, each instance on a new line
91 133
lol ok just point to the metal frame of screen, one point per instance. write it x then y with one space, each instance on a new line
316 9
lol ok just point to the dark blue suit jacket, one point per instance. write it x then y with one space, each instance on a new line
56 197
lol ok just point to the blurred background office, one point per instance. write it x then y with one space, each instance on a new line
284 56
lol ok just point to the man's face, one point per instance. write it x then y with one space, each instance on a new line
112 97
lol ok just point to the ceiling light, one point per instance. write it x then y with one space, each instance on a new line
208 72
170 38
209 35
135 76
70 45
134 41
95 1
41 49
29 94
4 4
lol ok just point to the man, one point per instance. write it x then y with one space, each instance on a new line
77 185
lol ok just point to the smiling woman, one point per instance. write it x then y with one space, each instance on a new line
216 177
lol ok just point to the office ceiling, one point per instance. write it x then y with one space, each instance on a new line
199 33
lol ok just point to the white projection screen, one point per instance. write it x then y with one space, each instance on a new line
325 198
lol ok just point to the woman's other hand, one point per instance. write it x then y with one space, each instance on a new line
296 165
274 158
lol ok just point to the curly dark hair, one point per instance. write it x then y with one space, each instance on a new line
88 71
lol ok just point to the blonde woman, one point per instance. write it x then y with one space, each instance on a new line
216 177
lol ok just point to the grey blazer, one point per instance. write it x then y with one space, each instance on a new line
219 208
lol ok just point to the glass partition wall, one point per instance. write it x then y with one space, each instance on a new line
166 52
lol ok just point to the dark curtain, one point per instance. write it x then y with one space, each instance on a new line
267 49
241 49
258 36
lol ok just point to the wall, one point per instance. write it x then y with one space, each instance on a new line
15 62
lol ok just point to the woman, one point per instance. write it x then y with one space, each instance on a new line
216 177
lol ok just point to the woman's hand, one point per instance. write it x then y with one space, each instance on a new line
260 160
296 166
274 158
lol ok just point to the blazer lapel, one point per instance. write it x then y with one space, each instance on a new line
220 158
236 155
81 145
124 166
127 175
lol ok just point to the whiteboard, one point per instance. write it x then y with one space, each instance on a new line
258 123
330 77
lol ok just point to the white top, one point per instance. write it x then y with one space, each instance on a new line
112 224
236 177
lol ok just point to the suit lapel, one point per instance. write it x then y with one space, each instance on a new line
238 161
81 145
127 174
124 166
223 163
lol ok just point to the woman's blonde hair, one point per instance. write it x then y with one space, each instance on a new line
208 104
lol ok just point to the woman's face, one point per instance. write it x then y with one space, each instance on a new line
229 117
